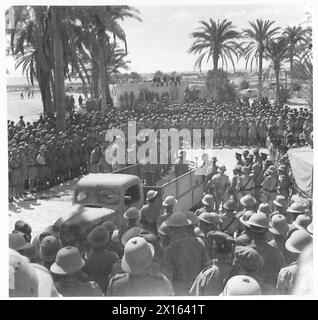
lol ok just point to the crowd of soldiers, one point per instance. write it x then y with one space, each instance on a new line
40 156
252 235
239 245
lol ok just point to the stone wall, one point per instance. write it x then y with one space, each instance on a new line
176 93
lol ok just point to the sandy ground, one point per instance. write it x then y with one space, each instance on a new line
42 212
30 109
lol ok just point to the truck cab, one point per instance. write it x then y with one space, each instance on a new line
107 190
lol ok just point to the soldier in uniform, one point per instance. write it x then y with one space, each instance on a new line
208 221
269 185
258 225
99 260
248 262
238 157
258 177
245 184
287 276
236 173
208 204
94 158
219 186
284 181
139 278
67 269
279 229
150 212
168 206
229 222
185 256
211 280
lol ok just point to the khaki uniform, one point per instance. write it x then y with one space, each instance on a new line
229 224
211 280
273 260
283 184
98 266
72 287
219 185
245 185
184 258
149 215
269 187
125 284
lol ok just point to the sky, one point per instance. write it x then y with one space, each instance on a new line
161 41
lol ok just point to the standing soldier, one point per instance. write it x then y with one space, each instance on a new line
236 173
242 132
258 225
99 259
211 280
150 212
168 206
219 186
269 186
185 256
257 157
208 221
139 279
67 268
32 169
284 182
279 228
245 184
14 164
208 204
296 244
229 222
23 168
258 177
94 158
238 157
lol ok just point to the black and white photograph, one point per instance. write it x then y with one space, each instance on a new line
158 150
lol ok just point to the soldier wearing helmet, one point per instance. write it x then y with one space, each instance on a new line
185 256
296 244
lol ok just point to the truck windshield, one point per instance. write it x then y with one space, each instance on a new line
132 195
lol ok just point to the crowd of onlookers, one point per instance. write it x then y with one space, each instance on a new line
252 235
41 157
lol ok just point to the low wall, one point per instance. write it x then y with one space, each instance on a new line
176 93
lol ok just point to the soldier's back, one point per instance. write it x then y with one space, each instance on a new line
76 288
139 285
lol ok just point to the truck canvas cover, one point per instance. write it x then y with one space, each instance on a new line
301 162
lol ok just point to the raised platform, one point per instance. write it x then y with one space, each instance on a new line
118 91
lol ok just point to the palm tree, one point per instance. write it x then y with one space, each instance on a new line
30 44
216 40
276 51
294 36
254 48
100 24
304 64
58 70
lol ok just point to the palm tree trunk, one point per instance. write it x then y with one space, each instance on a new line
277 87
43 78
102 72
109 97
291 61
94 84
260 75
58 71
